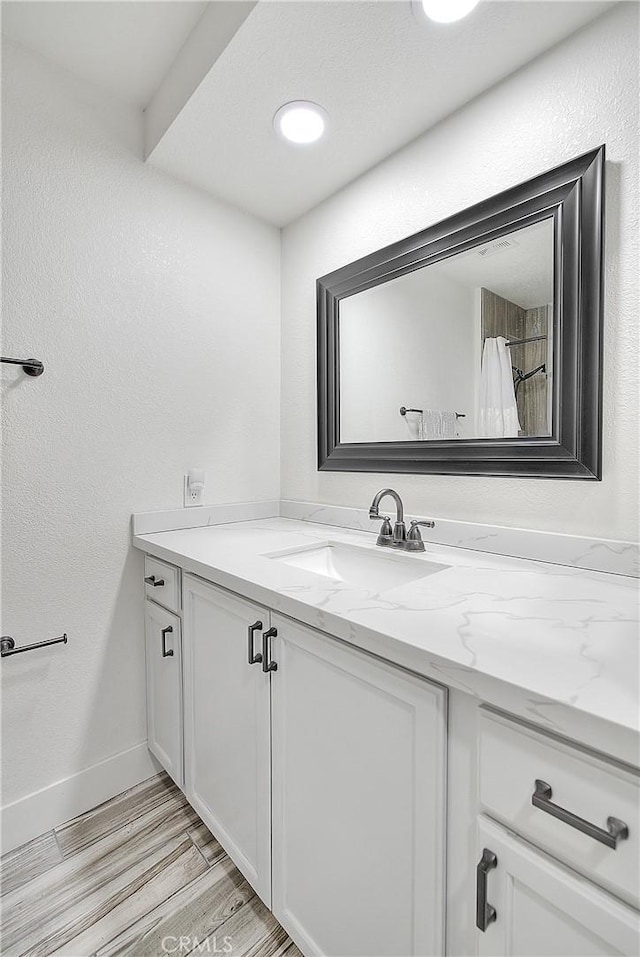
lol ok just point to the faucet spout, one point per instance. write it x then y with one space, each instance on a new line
373 508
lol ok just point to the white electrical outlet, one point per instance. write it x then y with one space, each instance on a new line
193 487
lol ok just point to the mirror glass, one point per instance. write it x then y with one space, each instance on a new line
438 353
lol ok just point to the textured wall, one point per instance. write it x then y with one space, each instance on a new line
156 312
582 93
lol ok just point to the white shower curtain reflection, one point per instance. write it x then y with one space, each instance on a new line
497 409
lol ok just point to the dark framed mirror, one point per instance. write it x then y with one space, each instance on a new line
475 346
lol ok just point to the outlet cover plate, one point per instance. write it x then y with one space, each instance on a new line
191 496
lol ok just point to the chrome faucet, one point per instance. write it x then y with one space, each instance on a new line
397 537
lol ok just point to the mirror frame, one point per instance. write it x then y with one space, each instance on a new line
573 196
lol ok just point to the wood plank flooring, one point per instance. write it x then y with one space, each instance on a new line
139 876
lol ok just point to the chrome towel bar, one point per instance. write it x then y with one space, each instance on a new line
32 367
8 645
404 410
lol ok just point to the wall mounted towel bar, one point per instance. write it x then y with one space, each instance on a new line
404 410
32 367
8 645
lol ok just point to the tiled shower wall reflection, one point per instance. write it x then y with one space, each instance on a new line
500 317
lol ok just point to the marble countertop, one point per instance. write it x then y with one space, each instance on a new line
556 645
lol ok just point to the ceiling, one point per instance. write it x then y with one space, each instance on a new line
521 271
383 72
123 46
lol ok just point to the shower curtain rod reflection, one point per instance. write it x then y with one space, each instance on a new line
519 342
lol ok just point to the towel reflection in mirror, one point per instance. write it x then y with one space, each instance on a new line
436 424
425 424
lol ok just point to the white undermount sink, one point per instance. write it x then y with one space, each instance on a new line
375 570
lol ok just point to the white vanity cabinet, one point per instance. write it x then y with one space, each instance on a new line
539 908
163 652
580 811
358 799
327 771
584 790
227 725
322 770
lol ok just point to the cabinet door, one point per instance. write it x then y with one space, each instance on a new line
227 727
543 909
358 800
164 688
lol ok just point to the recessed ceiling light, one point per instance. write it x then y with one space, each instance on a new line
447 11
300 121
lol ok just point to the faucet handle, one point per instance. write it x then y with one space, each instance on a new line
385 536
414 538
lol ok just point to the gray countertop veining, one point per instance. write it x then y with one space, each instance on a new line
556 645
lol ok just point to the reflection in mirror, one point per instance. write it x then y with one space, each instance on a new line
458 349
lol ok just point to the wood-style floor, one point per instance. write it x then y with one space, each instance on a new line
140 876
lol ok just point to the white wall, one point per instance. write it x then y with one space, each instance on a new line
155 310
582 93
407 342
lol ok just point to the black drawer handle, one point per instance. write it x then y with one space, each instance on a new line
166 653
152 580
254 658
616 830
267 664
485 913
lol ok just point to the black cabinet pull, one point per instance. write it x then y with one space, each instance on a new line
166 653
254 658
616 830
152 580
268 665
485 913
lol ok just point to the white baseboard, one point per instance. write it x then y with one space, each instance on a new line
52 806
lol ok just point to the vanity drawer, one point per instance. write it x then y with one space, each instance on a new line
162 583
513 757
